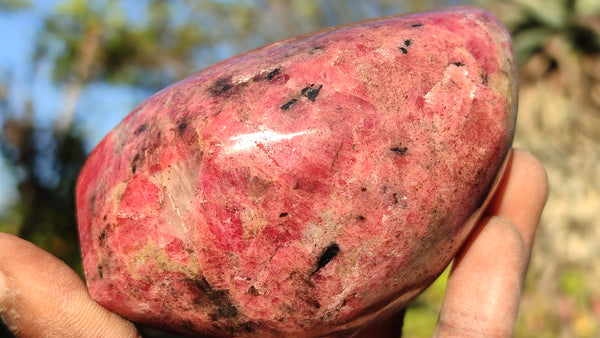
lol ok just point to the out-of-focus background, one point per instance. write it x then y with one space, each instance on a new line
70 70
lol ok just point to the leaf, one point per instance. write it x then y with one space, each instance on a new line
530 41
552 13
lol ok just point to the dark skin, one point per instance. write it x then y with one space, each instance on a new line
42 296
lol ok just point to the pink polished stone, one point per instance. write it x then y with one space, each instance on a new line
303 188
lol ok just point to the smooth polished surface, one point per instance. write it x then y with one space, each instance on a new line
303 187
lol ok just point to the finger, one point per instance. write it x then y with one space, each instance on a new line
522 194
40 296
483 291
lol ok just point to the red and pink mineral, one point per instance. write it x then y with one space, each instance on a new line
303 188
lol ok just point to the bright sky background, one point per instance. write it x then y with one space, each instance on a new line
99 109
18 31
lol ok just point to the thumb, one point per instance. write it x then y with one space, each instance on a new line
40 296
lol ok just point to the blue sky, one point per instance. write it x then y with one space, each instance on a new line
18 30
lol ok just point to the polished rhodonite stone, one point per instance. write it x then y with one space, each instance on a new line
303 188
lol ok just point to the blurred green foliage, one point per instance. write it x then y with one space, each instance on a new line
572 283
423 313
534 22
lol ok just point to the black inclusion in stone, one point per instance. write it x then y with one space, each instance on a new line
220 86
273 73
140 129
326 256
311 92
288 104
220 298
399 150
316 48
181 126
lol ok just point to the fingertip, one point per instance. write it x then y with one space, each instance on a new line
483 291
533 169
522 194
44 297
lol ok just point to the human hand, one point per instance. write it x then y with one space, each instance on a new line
41 296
